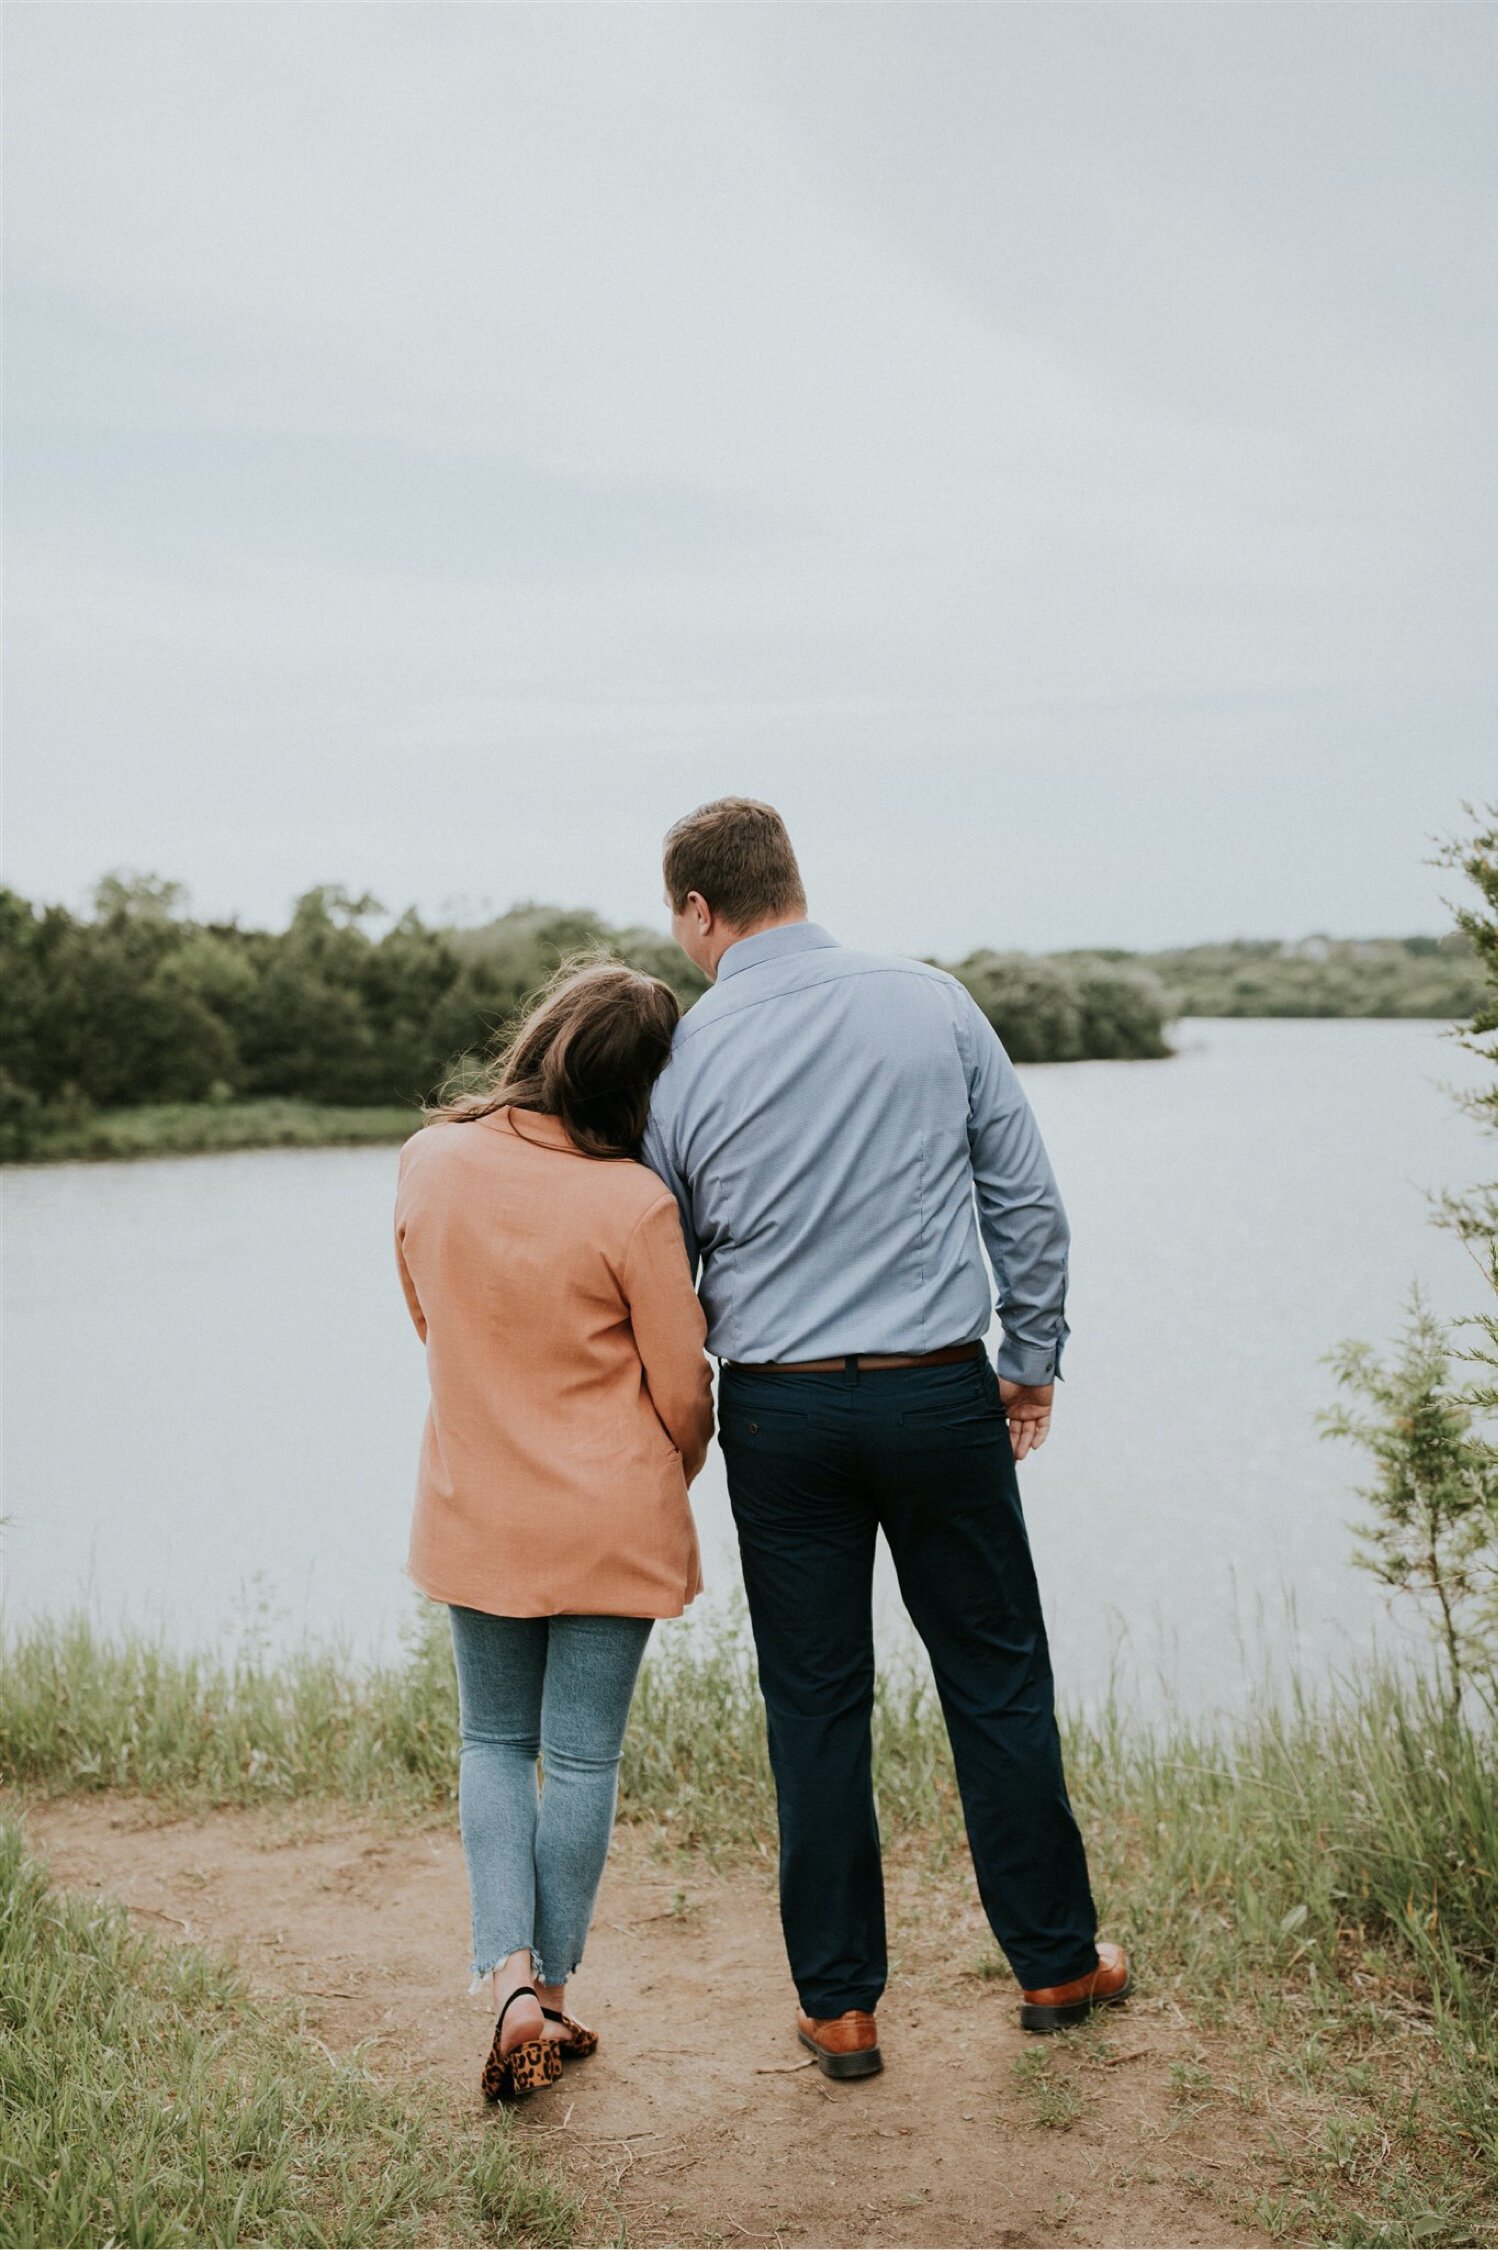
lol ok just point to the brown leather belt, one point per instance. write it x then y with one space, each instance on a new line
943 1358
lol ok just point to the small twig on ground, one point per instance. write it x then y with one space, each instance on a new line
159 1915
777 2070
621 2140
1112 2062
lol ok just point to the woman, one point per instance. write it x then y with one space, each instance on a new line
571 1407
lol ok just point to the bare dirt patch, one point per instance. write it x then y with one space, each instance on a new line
694 2124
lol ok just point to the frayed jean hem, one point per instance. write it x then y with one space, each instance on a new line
479 1977
539 1972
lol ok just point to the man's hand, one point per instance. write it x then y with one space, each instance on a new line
1028 1410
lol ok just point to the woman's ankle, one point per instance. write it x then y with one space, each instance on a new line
513 1974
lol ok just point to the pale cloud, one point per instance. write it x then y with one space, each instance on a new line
1045 448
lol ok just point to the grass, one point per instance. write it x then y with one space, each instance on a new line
1048 2086
201 1128
1315 1882
147 2097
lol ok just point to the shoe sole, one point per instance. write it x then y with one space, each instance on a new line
863 2063
1036 2018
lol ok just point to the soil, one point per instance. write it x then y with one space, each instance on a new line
699 2122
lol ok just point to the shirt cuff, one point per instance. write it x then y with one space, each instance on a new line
1031 1364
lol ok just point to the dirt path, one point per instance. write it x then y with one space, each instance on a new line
705 2131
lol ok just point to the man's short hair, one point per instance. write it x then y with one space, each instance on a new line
737 855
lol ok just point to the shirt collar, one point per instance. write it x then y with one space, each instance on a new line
770 945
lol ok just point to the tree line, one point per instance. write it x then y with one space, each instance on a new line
1324 976
137 1002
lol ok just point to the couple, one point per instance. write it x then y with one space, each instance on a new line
815 1134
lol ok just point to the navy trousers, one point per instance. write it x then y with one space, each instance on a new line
818 1462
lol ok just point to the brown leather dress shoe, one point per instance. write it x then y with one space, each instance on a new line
845 2046
1055 2006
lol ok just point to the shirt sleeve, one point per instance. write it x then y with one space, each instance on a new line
656 1151
408 1286
670 1332
1021 1218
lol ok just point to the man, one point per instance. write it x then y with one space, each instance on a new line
827 1122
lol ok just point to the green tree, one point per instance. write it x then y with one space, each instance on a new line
656 955
1432 1531
406 983
125 897
126 1028
308 1032
1032 1003
1470 1213
1432 1523
1125 1009
1069 1007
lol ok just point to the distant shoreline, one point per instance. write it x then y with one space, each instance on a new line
138 1031
141 1131
210 1129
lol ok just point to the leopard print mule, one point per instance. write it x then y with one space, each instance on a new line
533 2064
577 2042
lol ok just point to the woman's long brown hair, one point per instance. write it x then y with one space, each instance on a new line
588 1052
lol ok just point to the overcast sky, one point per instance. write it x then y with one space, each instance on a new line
1046 449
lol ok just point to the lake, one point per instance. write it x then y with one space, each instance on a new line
214 1395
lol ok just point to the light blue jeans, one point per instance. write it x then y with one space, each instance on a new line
554 1690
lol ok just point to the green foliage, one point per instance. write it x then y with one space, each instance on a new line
1042 2076
147 2096
1069 1008
73 1130
140 1005
1473 856
1433 1524
1322 976
1431 1531
143 1007
1470 1213
83 1712
521 949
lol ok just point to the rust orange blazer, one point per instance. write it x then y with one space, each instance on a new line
571 1402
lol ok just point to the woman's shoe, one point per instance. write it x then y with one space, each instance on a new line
532 2064
577 2041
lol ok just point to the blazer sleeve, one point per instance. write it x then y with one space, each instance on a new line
408 1286
670 1331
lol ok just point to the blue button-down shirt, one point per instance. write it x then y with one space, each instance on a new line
829 1122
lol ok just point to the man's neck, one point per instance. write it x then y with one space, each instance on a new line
755 929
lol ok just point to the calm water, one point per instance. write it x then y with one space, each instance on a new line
214 1397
